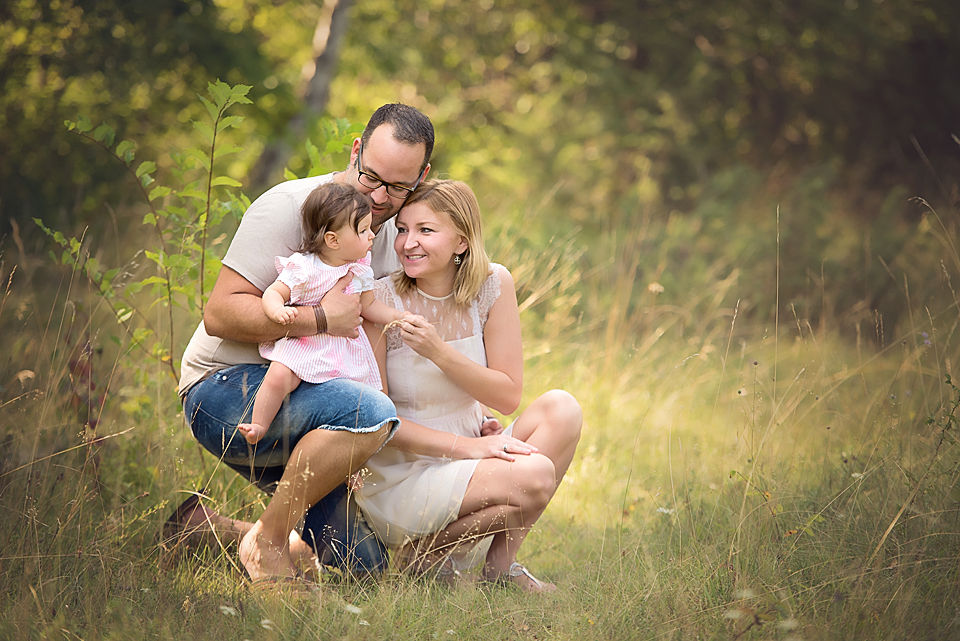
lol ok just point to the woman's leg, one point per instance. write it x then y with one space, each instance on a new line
277 383
506 499
552 423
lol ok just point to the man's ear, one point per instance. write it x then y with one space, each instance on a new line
426 172
330 240
355 151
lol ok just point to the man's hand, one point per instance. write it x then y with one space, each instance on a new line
342 310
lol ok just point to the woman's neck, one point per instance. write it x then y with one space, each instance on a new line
438 286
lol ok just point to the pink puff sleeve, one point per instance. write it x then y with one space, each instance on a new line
293 274
362 276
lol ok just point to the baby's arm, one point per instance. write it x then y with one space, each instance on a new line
274 303
377 312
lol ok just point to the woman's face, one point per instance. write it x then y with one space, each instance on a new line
426 243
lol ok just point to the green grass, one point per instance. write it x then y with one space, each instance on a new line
736 479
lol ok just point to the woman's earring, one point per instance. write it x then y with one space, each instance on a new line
457 259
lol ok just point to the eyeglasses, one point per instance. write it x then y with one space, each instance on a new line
372 182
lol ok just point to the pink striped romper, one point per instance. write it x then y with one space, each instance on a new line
322 357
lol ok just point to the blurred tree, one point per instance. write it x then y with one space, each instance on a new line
137 65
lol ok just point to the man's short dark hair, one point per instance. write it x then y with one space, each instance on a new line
410 126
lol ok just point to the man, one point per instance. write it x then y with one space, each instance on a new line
306 455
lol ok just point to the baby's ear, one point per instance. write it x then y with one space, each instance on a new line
330 240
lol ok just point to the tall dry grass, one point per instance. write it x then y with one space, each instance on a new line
739 477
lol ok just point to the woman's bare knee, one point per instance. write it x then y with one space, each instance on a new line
539 481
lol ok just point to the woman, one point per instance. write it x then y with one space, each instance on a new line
444 481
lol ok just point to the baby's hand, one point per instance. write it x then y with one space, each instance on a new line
490 426
285 315
355 482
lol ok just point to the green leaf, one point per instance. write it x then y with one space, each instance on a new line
146 167
211 108
223 150
220 92
105 134
313 153
146 179
149 219
83 124
289 175
204 129
159 192
193 193
125 151
230 121
201 156
224 180
238 94
124 314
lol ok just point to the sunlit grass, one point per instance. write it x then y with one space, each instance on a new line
736 478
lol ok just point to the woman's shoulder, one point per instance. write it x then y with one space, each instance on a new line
498 277
500 273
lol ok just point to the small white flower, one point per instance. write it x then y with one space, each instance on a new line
665 510
788 624
363 622
451 633
352 609
856 475
226 609
267 624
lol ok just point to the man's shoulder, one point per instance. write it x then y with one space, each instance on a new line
298 188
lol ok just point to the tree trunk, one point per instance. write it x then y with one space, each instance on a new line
327 39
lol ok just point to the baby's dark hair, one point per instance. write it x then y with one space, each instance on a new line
328 208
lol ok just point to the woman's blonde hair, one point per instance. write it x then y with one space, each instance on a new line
456 200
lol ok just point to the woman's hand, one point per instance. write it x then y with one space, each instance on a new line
499 446
421 336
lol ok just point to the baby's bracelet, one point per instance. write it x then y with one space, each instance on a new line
454 446
321 317
489 418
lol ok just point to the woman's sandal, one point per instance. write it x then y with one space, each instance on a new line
517 570
443 571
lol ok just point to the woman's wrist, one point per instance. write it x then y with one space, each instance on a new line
453 447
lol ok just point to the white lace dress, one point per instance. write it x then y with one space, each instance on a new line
406 496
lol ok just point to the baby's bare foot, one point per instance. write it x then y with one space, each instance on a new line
252 432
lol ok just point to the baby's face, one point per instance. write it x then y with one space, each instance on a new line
354 245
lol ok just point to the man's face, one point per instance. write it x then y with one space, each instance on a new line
386 160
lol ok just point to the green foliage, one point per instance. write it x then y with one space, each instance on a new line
336 136
135 64
180 218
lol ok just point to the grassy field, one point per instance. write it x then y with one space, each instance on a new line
736 479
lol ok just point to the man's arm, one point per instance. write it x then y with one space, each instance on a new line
234 312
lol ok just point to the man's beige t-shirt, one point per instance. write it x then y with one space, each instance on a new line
269 228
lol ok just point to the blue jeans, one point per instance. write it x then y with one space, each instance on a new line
214 407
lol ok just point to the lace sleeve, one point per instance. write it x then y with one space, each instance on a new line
383 291
489 292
